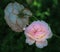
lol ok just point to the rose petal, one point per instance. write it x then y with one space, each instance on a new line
13 18
8 9
27 12
29 41
17 8
41 44
50 33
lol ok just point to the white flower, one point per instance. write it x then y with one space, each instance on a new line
16 16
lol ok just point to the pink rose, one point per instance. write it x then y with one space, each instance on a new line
38 32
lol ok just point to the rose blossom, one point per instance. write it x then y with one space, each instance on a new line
38 32
17 16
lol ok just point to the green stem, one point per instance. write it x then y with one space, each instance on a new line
35 17
56 36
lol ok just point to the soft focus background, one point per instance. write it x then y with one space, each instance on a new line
47 10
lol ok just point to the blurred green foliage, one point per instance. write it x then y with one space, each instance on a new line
47 10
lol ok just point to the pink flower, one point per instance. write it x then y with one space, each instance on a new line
38 32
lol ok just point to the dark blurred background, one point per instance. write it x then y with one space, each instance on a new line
47 10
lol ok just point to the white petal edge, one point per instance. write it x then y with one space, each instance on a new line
50 33
29 41
8 9
41 44
18 6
